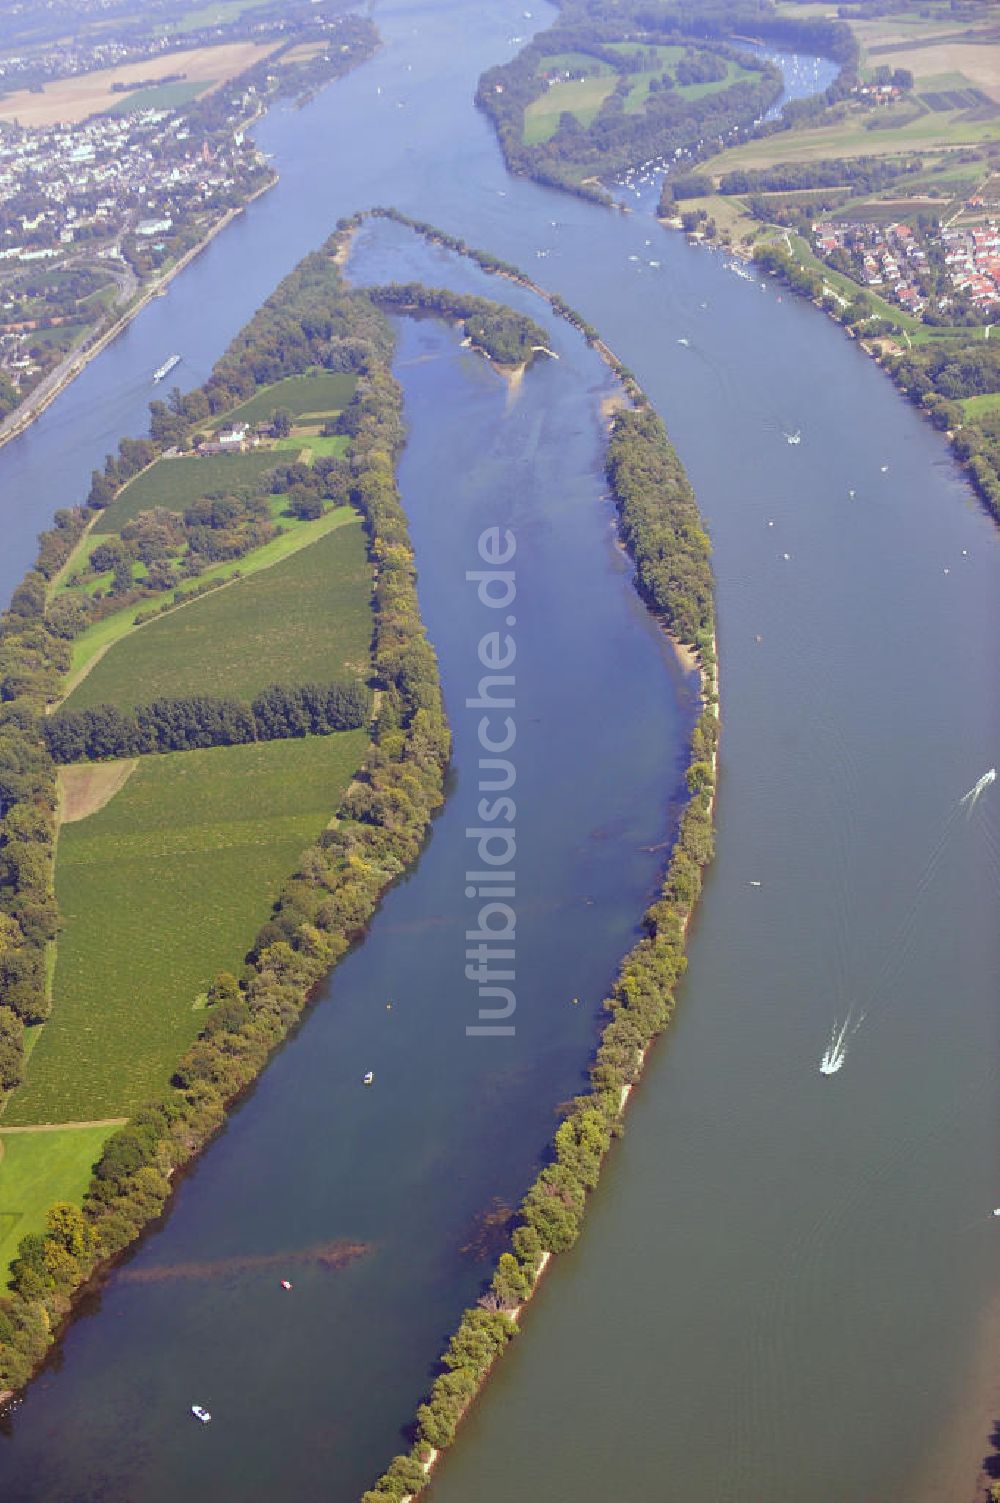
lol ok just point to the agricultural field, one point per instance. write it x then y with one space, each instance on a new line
319 395
69 100
901 129
38 1168
214 13
168 96
161 888
176 483
307 617
296 535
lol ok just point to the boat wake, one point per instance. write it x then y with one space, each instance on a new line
836 1050
969 800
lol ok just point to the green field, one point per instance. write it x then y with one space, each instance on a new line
580 97
310 445
36 1169
666 59
168 96
176 483
980 407
159 890
849 138
323 394
296 535
215 13
308 617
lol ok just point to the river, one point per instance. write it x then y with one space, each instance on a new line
782 1279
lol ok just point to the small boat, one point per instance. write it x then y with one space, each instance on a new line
752 882
369 1076
166 367
201 1414
793 438
684 342
286 1283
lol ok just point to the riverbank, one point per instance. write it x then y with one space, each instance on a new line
44 394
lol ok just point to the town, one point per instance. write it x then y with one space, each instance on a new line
944 274
96 213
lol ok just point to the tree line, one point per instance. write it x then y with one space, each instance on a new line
192 722
34 657
661 525
863 174
325 903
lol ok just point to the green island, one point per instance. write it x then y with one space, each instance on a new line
601 93
879 200
662 531
221 738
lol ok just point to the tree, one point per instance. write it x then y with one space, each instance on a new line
281 422
11 1049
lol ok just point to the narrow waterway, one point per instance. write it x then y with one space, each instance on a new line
779 1286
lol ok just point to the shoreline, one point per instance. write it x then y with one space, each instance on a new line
76 362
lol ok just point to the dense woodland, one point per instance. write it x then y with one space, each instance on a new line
324 905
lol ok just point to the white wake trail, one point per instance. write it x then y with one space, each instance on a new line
970 800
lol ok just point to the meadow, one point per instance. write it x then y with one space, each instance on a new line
38 1168
665 59
927 131
176 483
160 889
307 617
980 407
168 96
322 394
583 97
580 97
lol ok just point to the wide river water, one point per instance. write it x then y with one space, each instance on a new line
782 1283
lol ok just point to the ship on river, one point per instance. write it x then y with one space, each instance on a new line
166 367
